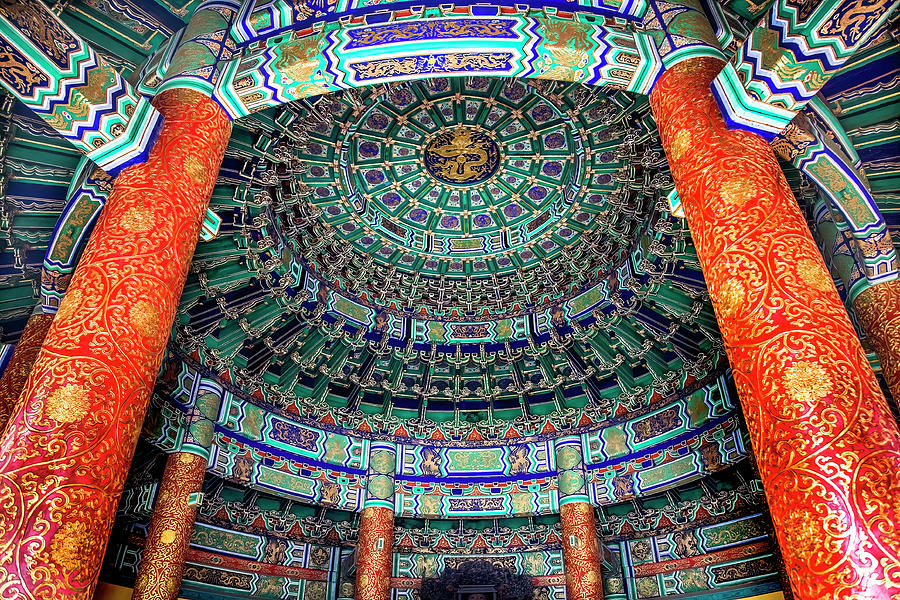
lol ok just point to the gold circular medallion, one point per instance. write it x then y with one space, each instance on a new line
138 219
67 404
167 536
145 318
71 546
807 382
462 156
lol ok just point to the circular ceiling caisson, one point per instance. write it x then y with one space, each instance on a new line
473 186
456 250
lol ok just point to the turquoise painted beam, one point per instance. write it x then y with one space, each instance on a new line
848 195
789 56
55 73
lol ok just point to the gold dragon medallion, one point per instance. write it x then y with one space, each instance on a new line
462 156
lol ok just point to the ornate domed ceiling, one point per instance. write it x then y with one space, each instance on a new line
457 250
471 268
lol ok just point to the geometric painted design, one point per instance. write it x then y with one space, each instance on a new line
570 470
838 247
674 444
86 198
452 218
56 74
382 466
198 48
265 18
789 56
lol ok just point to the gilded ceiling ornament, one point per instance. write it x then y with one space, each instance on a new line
462 156
67 404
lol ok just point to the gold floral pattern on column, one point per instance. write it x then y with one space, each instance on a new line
55 456
878 311
581 552
826 444
374 553
162 562
20 364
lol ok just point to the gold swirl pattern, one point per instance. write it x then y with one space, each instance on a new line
374 553
878 311
581 554
826 444
169 537
19 366
49 467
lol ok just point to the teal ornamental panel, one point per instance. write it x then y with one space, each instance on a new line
789 56
64 81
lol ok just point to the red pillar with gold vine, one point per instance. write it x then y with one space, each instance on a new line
19 366
581 550
68 446
66 451
180 494
826 444
375 549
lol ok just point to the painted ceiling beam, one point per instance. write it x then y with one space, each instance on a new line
300 64
55 73
789 56
847 191
260 19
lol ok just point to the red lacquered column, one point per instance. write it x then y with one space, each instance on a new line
180 493
827 447
878 310
374 553
19 366
162 561
66 451
581 553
